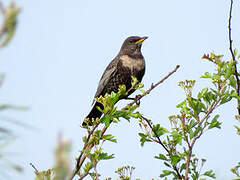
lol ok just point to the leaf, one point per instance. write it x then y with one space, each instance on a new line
238 129
143 139
235 52
183 166
161 156
125 114
202 93
233 94
88 166
105 156
165 173
215 123
106 120
174 159
166 164
177 137
109 137
206 75
225 98
232 81
181 104
210 173
158 130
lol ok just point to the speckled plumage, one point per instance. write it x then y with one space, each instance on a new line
129 62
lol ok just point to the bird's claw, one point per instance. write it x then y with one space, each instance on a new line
137 99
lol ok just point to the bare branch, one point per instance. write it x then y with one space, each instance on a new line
140 96
35 169
232 53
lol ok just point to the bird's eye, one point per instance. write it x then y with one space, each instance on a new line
132 41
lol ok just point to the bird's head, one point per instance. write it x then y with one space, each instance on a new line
132 46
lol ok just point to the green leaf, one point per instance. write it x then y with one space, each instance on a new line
210 173
177 137
124 114
215 123
228 73
183 166
206 75
233 94
88 166
183 103
166 164
235 52
232 81
165 173
174 159
225 98
109 137
238 129
161 156
202 93
105 156
106 120
143 138
158 130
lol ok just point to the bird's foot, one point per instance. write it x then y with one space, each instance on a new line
137 99
130 98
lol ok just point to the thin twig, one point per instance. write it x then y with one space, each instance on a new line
155 133
140 96
35 169
161 143
80 158
232 53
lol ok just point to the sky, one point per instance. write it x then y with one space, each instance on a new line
60 51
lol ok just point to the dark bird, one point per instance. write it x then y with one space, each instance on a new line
129 62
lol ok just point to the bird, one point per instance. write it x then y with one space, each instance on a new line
128 62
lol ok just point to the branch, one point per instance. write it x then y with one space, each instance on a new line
159 140
35 169
81 158
232 53
161 143
140 96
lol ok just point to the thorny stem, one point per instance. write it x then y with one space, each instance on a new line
232 53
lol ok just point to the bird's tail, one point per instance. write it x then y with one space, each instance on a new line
94 113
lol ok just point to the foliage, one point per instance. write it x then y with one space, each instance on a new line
194 119
8 28
196 116
125 172
62 163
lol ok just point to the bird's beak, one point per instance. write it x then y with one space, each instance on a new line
141 40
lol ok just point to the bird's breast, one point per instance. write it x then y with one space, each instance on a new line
137 64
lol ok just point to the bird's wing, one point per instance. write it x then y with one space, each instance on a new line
109 71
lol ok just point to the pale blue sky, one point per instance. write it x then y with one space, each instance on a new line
60 50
